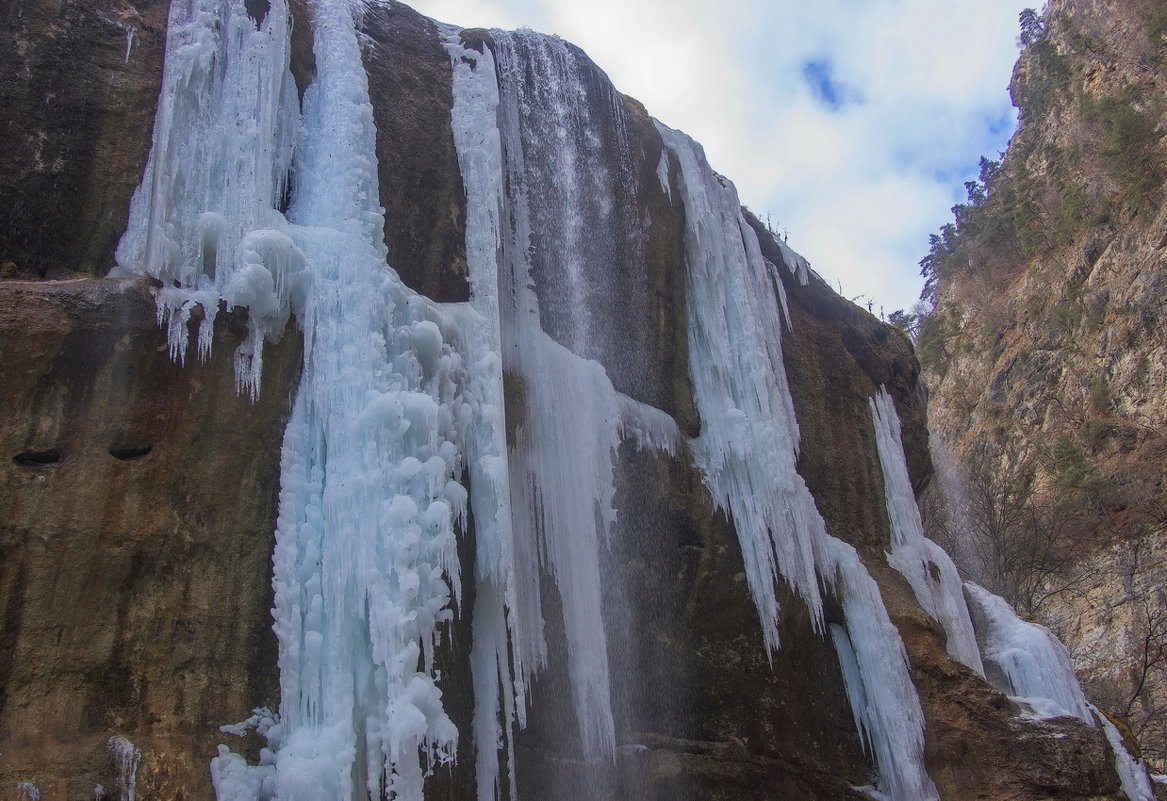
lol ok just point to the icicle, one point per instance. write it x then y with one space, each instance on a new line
662 174
875 673
365 565
747 452
750 439
499 686
928 569
216 173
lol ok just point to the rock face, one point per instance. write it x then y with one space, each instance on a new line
139 500
136 527
1045 356
79 83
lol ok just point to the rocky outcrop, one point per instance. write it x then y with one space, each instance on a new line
135 539
139 500
1046 357
79 84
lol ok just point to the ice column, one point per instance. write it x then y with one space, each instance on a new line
879 688
365 563
747 452
499 679
204 220
928 569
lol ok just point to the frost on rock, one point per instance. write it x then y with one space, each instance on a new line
928 569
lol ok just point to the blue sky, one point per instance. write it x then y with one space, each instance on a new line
851 124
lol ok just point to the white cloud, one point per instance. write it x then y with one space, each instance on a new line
859 188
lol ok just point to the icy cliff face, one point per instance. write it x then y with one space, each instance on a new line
644 475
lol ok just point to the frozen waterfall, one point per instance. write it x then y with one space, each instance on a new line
928 569
529 389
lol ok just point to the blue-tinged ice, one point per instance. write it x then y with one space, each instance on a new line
749 438
365 563
205 221
927 567
1024 659
747 452
875 673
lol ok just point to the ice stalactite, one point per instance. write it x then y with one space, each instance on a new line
929 570
519 136
499 674
205 220
747 453
365 561
879 688
749 439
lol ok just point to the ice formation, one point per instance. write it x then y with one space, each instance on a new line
1029 661
747 452
126 758
1132 773
399 396
365 560
1034 668
204 220
928 569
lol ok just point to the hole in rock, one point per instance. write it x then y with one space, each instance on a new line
38 457
126 454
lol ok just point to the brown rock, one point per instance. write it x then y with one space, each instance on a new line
78 84
420 182
135 536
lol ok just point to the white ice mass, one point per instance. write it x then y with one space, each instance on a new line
400 397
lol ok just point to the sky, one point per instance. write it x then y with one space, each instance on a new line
850 125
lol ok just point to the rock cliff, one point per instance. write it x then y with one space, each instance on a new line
1045 353
140 495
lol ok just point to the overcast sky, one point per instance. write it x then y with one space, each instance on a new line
852 124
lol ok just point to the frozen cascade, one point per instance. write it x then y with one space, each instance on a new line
1034 668
1026 660
1132 773
928 569
747 453
126 757
499 683
204 220
568 418
365 538
750 438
